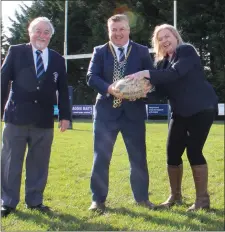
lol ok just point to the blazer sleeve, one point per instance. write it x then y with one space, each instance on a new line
94 73
159 91
6 77
63 94
187 58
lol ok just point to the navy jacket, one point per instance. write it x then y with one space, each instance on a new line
184 83
31 100
100 76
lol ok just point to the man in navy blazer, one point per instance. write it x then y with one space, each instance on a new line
110 62
34 73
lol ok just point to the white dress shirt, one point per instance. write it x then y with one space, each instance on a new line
44 56
118 51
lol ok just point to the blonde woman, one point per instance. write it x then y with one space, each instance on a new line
180 76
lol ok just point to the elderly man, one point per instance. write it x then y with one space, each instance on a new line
35 73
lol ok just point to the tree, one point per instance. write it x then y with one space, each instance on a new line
4 44
199 24
204 27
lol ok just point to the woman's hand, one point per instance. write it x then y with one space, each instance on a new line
139 75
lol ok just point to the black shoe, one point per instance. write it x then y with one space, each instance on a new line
6 210
42 208
147 204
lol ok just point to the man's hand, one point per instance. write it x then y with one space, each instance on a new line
63 125
139 76
115 92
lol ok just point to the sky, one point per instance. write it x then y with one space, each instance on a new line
8 10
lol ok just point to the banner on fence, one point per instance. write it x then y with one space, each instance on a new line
152 109
157 110
82 110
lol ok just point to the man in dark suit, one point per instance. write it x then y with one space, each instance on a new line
35 73
110 62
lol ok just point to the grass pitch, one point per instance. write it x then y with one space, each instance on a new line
68 193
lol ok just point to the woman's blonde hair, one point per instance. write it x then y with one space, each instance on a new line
159 54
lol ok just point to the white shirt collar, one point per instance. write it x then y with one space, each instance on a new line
43 51
125 46
44 56
117 51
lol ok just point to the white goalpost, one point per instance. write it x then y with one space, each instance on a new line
89 55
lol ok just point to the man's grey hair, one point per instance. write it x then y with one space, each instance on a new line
118 18
38 20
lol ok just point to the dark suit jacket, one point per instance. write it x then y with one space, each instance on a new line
31 100
100 76
184 83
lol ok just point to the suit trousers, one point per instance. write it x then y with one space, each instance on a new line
15 140
105 134
188 133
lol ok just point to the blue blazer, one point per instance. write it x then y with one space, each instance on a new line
183 82
31 100
100 77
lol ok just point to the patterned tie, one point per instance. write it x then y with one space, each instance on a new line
39 64
122 54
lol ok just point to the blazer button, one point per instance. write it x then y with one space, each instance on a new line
38 88
35 101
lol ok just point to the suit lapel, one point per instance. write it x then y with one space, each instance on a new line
30 59
165 63
172 61
110 59
49 67
131 49
130 55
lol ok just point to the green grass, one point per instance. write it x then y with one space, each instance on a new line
68 194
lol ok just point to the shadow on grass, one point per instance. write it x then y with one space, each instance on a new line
212 224
207 223
218 212
55 221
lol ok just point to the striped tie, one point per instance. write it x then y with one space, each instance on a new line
39 64
122 54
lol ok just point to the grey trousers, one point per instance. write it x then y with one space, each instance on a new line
15 140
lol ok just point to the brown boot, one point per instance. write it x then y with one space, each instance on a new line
200 174
175 177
